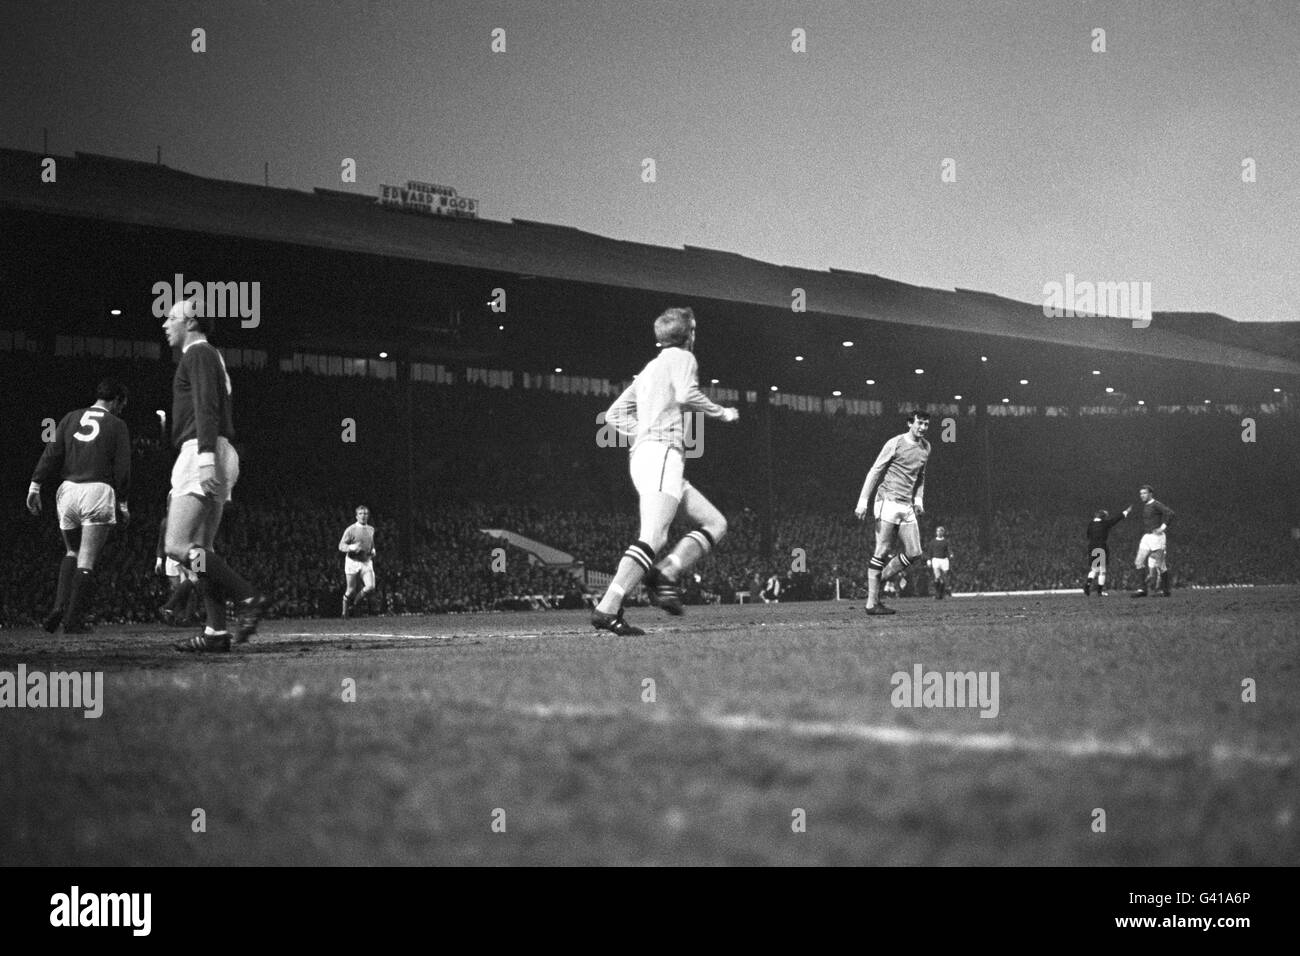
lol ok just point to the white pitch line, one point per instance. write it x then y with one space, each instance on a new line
910 737
413 637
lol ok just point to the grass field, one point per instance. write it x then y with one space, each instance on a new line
1134 707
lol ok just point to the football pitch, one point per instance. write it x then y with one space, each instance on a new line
1117 735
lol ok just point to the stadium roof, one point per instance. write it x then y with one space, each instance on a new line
153 196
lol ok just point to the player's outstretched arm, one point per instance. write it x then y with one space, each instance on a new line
873 477
686 387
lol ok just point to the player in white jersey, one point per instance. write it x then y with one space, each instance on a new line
650 411
897 479
358 544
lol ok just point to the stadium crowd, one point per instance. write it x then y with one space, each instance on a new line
528 462
290 549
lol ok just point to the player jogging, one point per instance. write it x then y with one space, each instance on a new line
897 479
651 409
1153 552
91 452
1098 551
940 555
203 476
358 544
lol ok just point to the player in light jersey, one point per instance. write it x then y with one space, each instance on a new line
650 411
1153 551
91 453
897 479
203 476
358 544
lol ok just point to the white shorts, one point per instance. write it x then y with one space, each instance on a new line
657 467
364 568
939 564
175 570
895 512
185 473
85 502
1150 544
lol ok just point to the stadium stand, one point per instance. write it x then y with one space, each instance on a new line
528 462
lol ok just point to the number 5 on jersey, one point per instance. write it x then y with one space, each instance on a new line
89 419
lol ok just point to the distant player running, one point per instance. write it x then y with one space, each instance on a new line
91 452
203 476
358 544
1153 551
940 561
651 409
1098 550
897 480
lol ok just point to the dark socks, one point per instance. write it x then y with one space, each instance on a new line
225 582
80 596
67 568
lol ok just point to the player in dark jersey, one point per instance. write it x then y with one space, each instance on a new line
1153 551
1098 551
940 567
91 452
203 476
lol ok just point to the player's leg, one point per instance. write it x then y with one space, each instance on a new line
167 613
1103 561
657 475
353 589
1140 564
1160 577
909 534
657 511
368 582
249 605
192 522
67 570
81 594
212 589
885 534
711 527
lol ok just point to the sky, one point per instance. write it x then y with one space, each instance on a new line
1118 166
